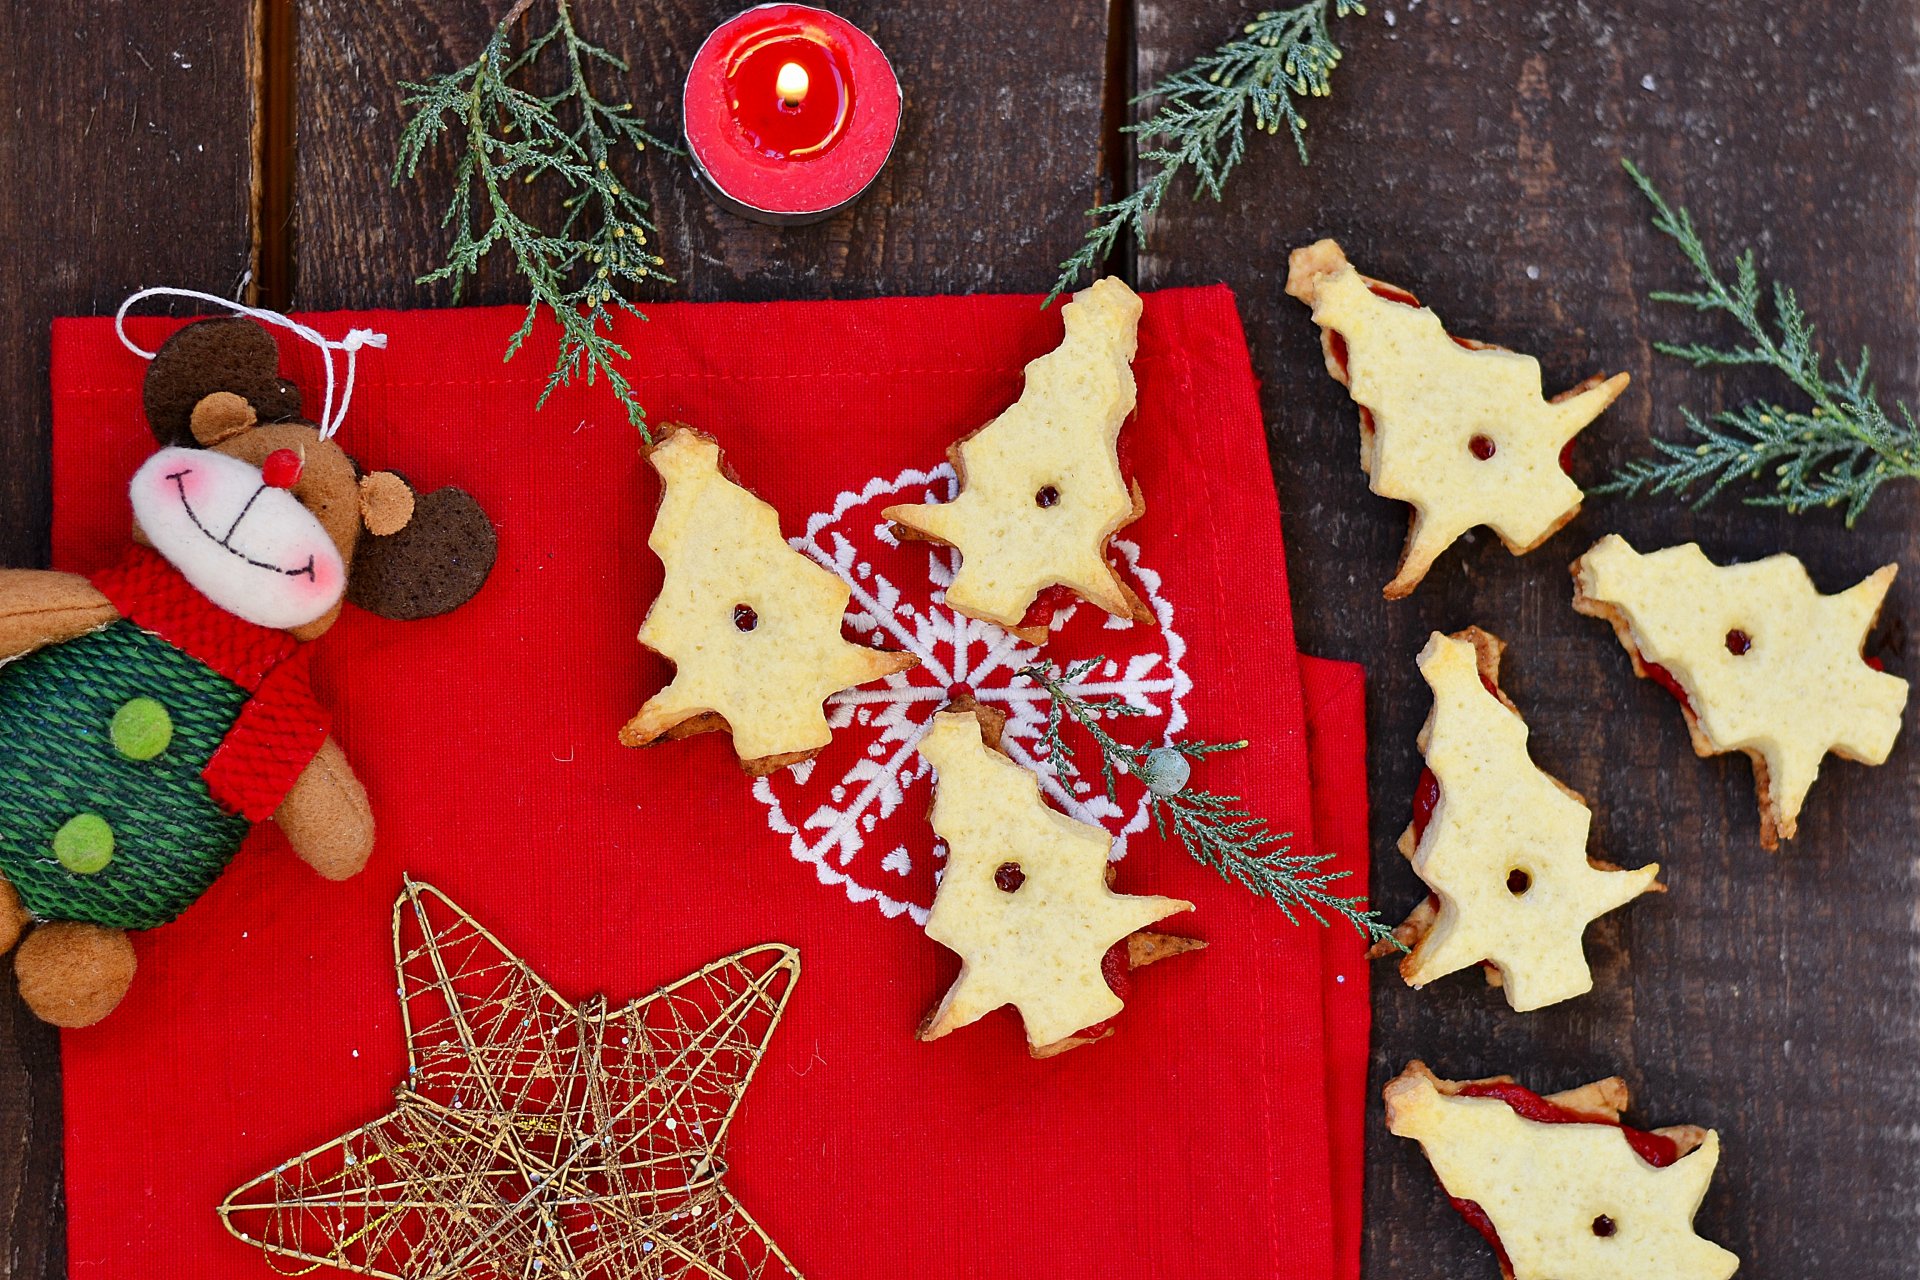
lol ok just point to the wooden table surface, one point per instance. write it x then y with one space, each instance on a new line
1470 151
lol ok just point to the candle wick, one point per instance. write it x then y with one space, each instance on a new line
791 84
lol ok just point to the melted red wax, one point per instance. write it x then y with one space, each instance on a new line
790 131
1656 1149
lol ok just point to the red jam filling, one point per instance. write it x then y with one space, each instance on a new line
1664 678
1426 797
1116 969
1057 599
1337 341
1337 348
1656 1149
1050 601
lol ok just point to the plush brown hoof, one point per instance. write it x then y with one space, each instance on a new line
13 917
326 817
73 975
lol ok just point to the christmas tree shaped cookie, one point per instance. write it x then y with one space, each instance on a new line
751 625
1502 844
1041 493
1024 897
1560 1188
1460 430
1760 660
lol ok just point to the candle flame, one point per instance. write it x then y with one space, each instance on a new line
791 83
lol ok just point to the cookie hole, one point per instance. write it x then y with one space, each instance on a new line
1738 642
1008 877
1482 447
1048 496
1518 882
1603 1226
744 618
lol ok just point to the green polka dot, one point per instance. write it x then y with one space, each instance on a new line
84 845
142 729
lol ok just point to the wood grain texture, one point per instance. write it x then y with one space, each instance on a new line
998 153
127 157
1470 152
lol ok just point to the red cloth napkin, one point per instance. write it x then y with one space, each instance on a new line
1195 1142
1335 695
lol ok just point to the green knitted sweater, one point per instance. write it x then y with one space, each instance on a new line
58 761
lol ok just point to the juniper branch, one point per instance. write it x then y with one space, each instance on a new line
1835 452
505 133
1217 831
1200 123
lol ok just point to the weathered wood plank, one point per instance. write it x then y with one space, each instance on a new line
1470 152
998 153
128 158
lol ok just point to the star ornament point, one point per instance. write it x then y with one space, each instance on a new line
1568 1201
532 1137
1024 899
1505 847
1461 431
1764 662
752 626
1041 489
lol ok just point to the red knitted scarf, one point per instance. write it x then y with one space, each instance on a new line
279 730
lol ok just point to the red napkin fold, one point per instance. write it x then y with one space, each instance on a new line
1215 1134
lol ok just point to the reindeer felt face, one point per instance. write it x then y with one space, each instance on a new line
237 534
274 524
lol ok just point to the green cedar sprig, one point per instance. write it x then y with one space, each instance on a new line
1217 831
1836 452
1201 121
506 134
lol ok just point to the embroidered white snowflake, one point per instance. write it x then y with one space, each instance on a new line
846 812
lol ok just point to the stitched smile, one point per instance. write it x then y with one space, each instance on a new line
226 543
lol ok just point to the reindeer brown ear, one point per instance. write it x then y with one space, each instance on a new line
433 563
229 354
386 503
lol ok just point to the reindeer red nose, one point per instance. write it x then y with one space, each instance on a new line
281 470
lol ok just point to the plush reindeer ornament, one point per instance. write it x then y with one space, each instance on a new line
151 714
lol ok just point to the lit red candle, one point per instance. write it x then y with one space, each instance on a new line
790 112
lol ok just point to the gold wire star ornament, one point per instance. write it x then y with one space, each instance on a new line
535 1138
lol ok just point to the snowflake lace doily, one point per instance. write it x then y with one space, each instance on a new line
847 811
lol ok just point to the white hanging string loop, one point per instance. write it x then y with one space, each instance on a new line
330 415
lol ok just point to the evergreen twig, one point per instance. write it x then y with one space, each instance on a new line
1836 452
506 133
1218 831
1200 123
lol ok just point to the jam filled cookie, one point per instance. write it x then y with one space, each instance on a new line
1041 490
751 625
1760 660
1024 898
1458 429
1558 1186
1501 843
